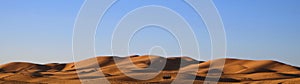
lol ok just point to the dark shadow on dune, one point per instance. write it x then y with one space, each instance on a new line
2 70
220 80
36 74
297 68
202 78
176 62
292 75
60 67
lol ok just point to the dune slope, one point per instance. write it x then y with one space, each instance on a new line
154 69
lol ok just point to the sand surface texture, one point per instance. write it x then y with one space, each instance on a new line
181 69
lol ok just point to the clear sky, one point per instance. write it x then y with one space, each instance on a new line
40 31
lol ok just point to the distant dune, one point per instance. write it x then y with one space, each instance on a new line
234 71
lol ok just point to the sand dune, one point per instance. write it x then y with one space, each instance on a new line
184 69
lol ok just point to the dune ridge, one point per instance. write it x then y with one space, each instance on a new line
234 71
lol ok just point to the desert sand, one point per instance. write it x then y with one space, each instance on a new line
176 68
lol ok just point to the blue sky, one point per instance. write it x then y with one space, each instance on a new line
41 31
